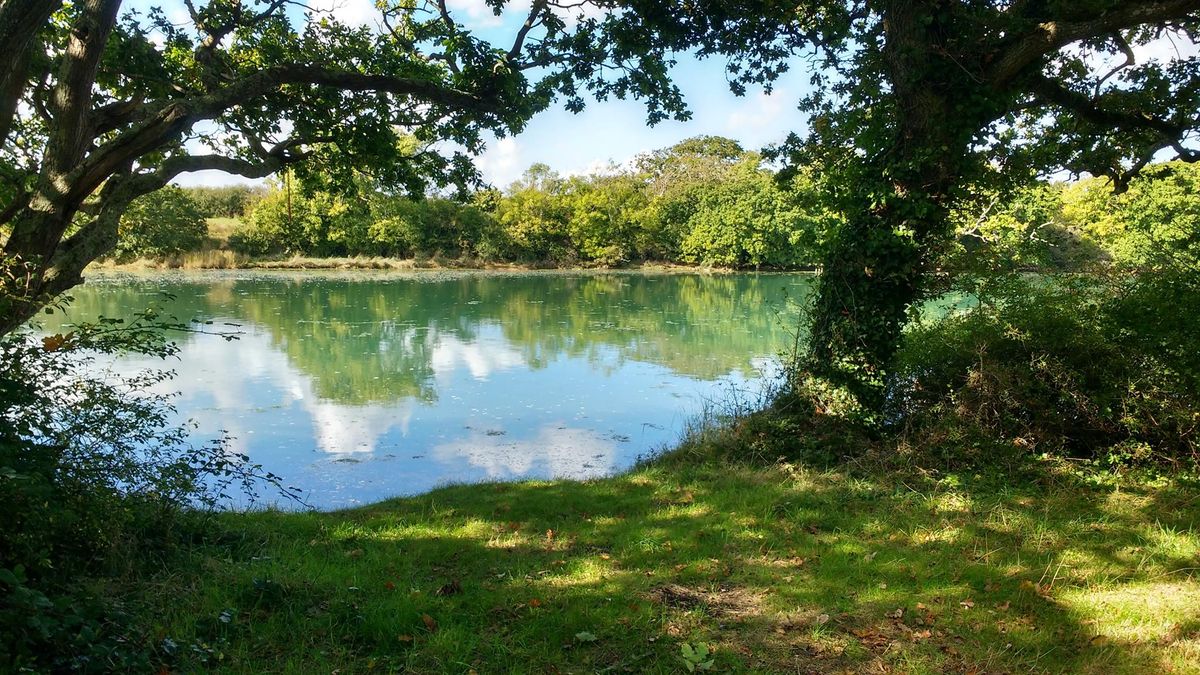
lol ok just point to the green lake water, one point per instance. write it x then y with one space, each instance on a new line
360 386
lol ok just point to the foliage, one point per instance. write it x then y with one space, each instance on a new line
99 107
1155 223
313 222
161 224
702 201
225 201
95 477
915 106
1088 368
748 221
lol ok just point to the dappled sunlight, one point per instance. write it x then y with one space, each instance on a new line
775 571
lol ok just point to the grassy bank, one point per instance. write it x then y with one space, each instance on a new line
773 569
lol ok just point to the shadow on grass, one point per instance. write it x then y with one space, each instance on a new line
778 570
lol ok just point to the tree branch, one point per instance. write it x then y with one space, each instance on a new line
1090 110
20 23
1049 36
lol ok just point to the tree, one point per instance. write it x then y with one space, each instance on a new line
98 108
165 223
916 102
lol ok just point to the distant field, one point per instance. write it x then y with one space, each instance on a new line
220 228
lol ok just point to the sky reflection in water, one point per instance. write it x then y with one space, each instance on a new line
357 387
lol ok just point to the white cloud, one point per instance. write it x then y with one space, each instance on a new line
477 14
500 164
344 429
482 357
603 167
754 122
349 12
213 178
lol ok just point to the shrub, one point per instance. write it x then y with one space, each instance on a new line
1101 369
160 224
94 478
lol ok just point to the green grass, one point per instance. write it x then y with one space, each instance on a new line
219 229
776 569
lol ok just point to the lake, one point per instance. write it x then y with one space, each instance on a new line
360 386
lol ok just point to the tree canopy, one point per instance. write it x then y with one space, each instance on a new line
917 106
100 106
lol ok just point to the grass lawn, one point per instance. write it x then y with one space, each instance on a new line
774 569
219 229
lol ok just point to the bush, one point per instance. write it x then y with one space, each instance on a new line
95 478
1102 369
226 201
160 224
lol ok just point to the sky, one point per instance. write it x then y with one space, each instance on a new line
612 131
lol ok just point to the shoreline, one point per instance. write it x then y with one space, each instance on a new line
225 260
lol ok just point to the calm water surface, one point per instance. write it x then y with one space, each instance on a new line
356 387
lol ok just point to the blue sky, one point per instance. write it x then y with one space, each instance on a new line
608 131
612 131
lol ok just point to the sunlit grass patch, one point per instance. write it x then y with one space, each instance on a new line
776 569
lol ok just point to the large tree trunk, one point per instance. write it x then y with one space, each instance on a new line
874 271
877 267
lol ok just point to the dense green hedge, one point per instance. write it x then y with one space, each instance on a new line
703 201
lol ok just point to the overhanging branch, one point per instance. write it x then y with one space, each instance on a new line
1047 37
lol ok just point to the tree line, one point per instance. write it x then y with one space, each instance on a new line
704 201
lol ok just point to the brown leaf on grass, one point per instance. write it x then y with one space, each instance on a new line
404 638
1041 589
1003 607
430 623
898 613
452 588
550 535
389 585
534 602
967 604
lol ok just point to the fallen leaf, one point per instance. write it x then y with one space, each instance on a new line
822 619
404 638
452 588
897 614
1003 607
430 623
584 636
389 585
535 603
967 604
